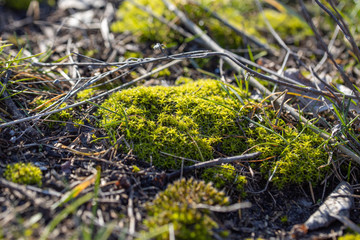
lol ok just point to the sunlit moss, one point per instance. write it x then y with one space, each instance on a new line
65 115
296 154
203 120
86 94
183 80
350 236
23 173
177 205
243 16
141 24
186 121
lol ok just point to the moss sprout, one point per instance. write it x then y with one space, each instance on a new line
135 169
284 219
23 173
177 205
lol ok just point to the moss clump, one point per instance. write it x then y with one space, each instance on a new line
141 24
297 153
225 176
204 120
23 173
177 205
135 169
175 120
86 94
149 29
183 80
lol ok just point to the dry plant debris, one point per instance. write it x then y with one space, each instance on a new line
284 106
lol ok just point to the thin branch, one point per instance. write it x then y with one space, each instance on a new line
223 209
213 162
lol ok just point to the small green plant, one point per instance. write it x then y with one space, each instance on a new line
284 219
224 176
23 173
135 169
177 206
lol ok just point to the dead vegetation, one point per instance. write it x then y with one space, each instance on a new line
60 63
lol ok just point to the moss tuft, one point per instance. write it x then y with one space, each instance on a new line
297 155
23 173
175 120
204 120
225 176
177 205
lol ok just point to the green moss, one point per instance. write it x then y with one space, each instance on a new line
285 24
149 29
86 94
130 54
183 80
23 173
177 205
163 73
65 115
350 236
175 120
141 24
135 169
203 120
297 154
225 176
284 219
18 4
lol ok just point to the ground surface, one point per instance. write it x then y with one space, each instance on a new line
61 150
